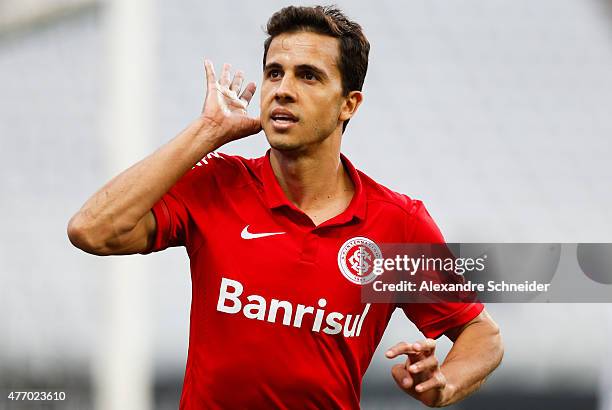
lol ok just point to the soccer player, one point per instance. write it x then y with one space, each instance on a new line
277 319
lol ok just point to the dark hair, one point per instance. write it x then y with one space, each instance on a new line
328 20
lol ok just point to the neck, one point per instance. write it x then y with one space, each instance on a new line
314 180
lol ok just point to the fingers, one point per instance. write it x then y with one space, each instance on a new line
225 75
427 364
235 85
398 349
437 381
237 82
401 376
421 371
248 92
210 73
426 346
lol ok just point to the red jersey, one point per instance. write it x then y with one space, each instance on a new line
277 319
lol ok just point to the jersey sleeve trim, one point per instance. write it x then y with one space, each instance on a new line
163 226
416 206
437 328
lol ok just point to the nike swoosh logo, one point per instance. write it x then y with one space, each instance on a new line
245 234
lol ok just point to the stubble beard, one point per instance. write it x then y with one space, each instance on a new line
296 144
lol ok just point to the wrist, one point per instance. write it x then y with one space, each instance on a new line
448 395
207 133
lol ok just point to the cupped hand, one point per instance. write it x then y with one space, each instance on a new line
420 375
226 104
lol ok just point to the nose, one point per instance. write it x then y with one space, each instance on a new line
285 90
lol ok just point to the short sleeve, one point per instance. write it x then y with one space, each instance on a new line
174 212
172 219
434 319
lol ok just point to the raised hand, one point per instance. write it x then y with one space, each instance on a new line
420 376
225 106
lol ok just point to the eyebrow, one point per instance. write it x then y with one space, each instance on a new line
300 67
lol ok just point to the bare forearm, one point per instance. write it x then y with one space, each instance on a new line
477 351
117 219
119 205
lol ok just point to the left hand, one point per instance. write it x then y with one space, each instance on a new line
420 376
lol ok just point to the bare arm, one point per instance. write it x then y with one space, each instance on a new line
477 350
118 219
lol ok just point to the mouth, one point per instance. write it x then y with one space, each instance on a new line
283 121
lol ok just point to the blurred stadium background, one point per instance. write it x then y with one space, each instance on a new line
495 113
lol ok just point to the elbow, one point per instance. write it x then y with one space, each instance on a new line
498 343
492 334
85 235
500 350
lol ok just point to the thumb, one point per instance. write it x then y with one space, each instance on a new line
254 125
248 126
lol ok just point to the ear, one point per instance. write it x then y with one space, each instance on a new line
350 104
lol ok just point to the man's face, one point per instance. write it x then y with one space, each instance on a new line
301 93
